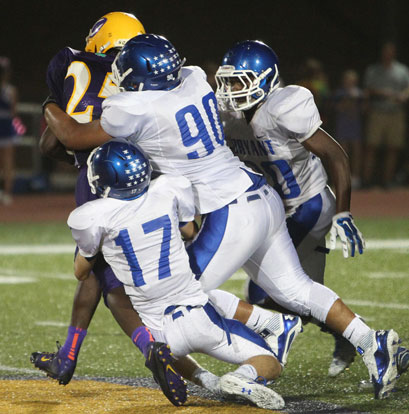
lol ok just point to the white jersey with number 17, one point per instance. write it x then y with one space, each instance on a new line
141 241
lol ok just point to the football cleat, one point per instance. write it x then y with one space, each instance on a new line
54 365
343 356
402 360
381 361
160 362
279 332
402 363
236 385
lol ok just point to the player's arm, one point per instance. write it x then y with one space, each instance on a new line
336 164
72 134
52 148
190 229
83 266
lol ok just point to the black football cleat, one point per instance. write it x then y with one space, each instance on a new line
54 365
160 362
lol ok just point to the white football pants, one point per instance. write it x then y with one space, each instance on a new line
202 329
307 227
251 233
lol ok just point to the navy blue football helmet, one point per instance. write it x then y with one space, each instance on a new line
255 66
118 169
147 62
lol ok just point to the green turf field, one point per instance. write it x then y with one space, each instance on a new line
37 290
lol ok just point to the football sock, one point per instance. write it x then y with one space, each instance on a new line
259 317
142 337
247 371
357 333
206 379
72 344
365 342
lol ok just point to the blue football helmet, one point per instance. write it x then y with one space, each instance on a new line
147 62
255 66
118 169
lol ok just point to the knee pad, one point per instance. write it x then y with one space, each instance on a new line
226 303
321 300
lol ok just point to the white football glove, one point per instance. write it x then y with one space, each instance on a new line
344 227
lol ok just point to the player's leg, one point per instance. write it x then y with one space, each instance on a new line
159 360
222 235
279 330
203 329
234 232
307 227
61 365
292 288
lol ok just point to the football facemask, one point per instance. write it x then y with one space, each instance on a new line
249 72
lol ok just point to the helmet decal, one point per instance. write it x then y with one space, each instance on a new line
147 62
112 30
94 30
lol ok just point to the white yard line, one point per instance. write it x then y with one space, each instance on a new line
371 244
13 280
20 370
37 249
382 305
51 323
10 273
388 275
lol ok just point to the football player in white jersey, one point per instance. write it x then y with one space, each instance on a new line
137 231
171 112
276 131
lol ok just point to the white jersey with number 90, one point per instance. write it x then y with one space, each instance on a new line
181 133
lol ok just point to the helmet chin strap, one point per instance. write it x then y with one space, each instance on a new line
91 178
117 77
106 192
103 47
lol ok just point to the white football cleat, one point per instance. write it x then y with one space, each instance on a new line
381 361
233 384
343 356
279 332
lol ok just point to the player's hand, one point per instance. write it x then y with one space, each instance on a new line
343 226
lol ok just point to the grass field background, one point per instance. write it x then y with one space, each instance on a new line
37 290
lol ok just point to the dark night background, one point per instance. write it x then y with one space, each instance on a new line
341 34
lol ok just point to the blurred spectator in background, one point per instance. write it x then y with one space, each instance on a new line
387 88
9 128
348 110
314 78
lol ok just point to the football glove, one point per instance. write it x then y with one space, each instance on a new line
343 226
50 99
